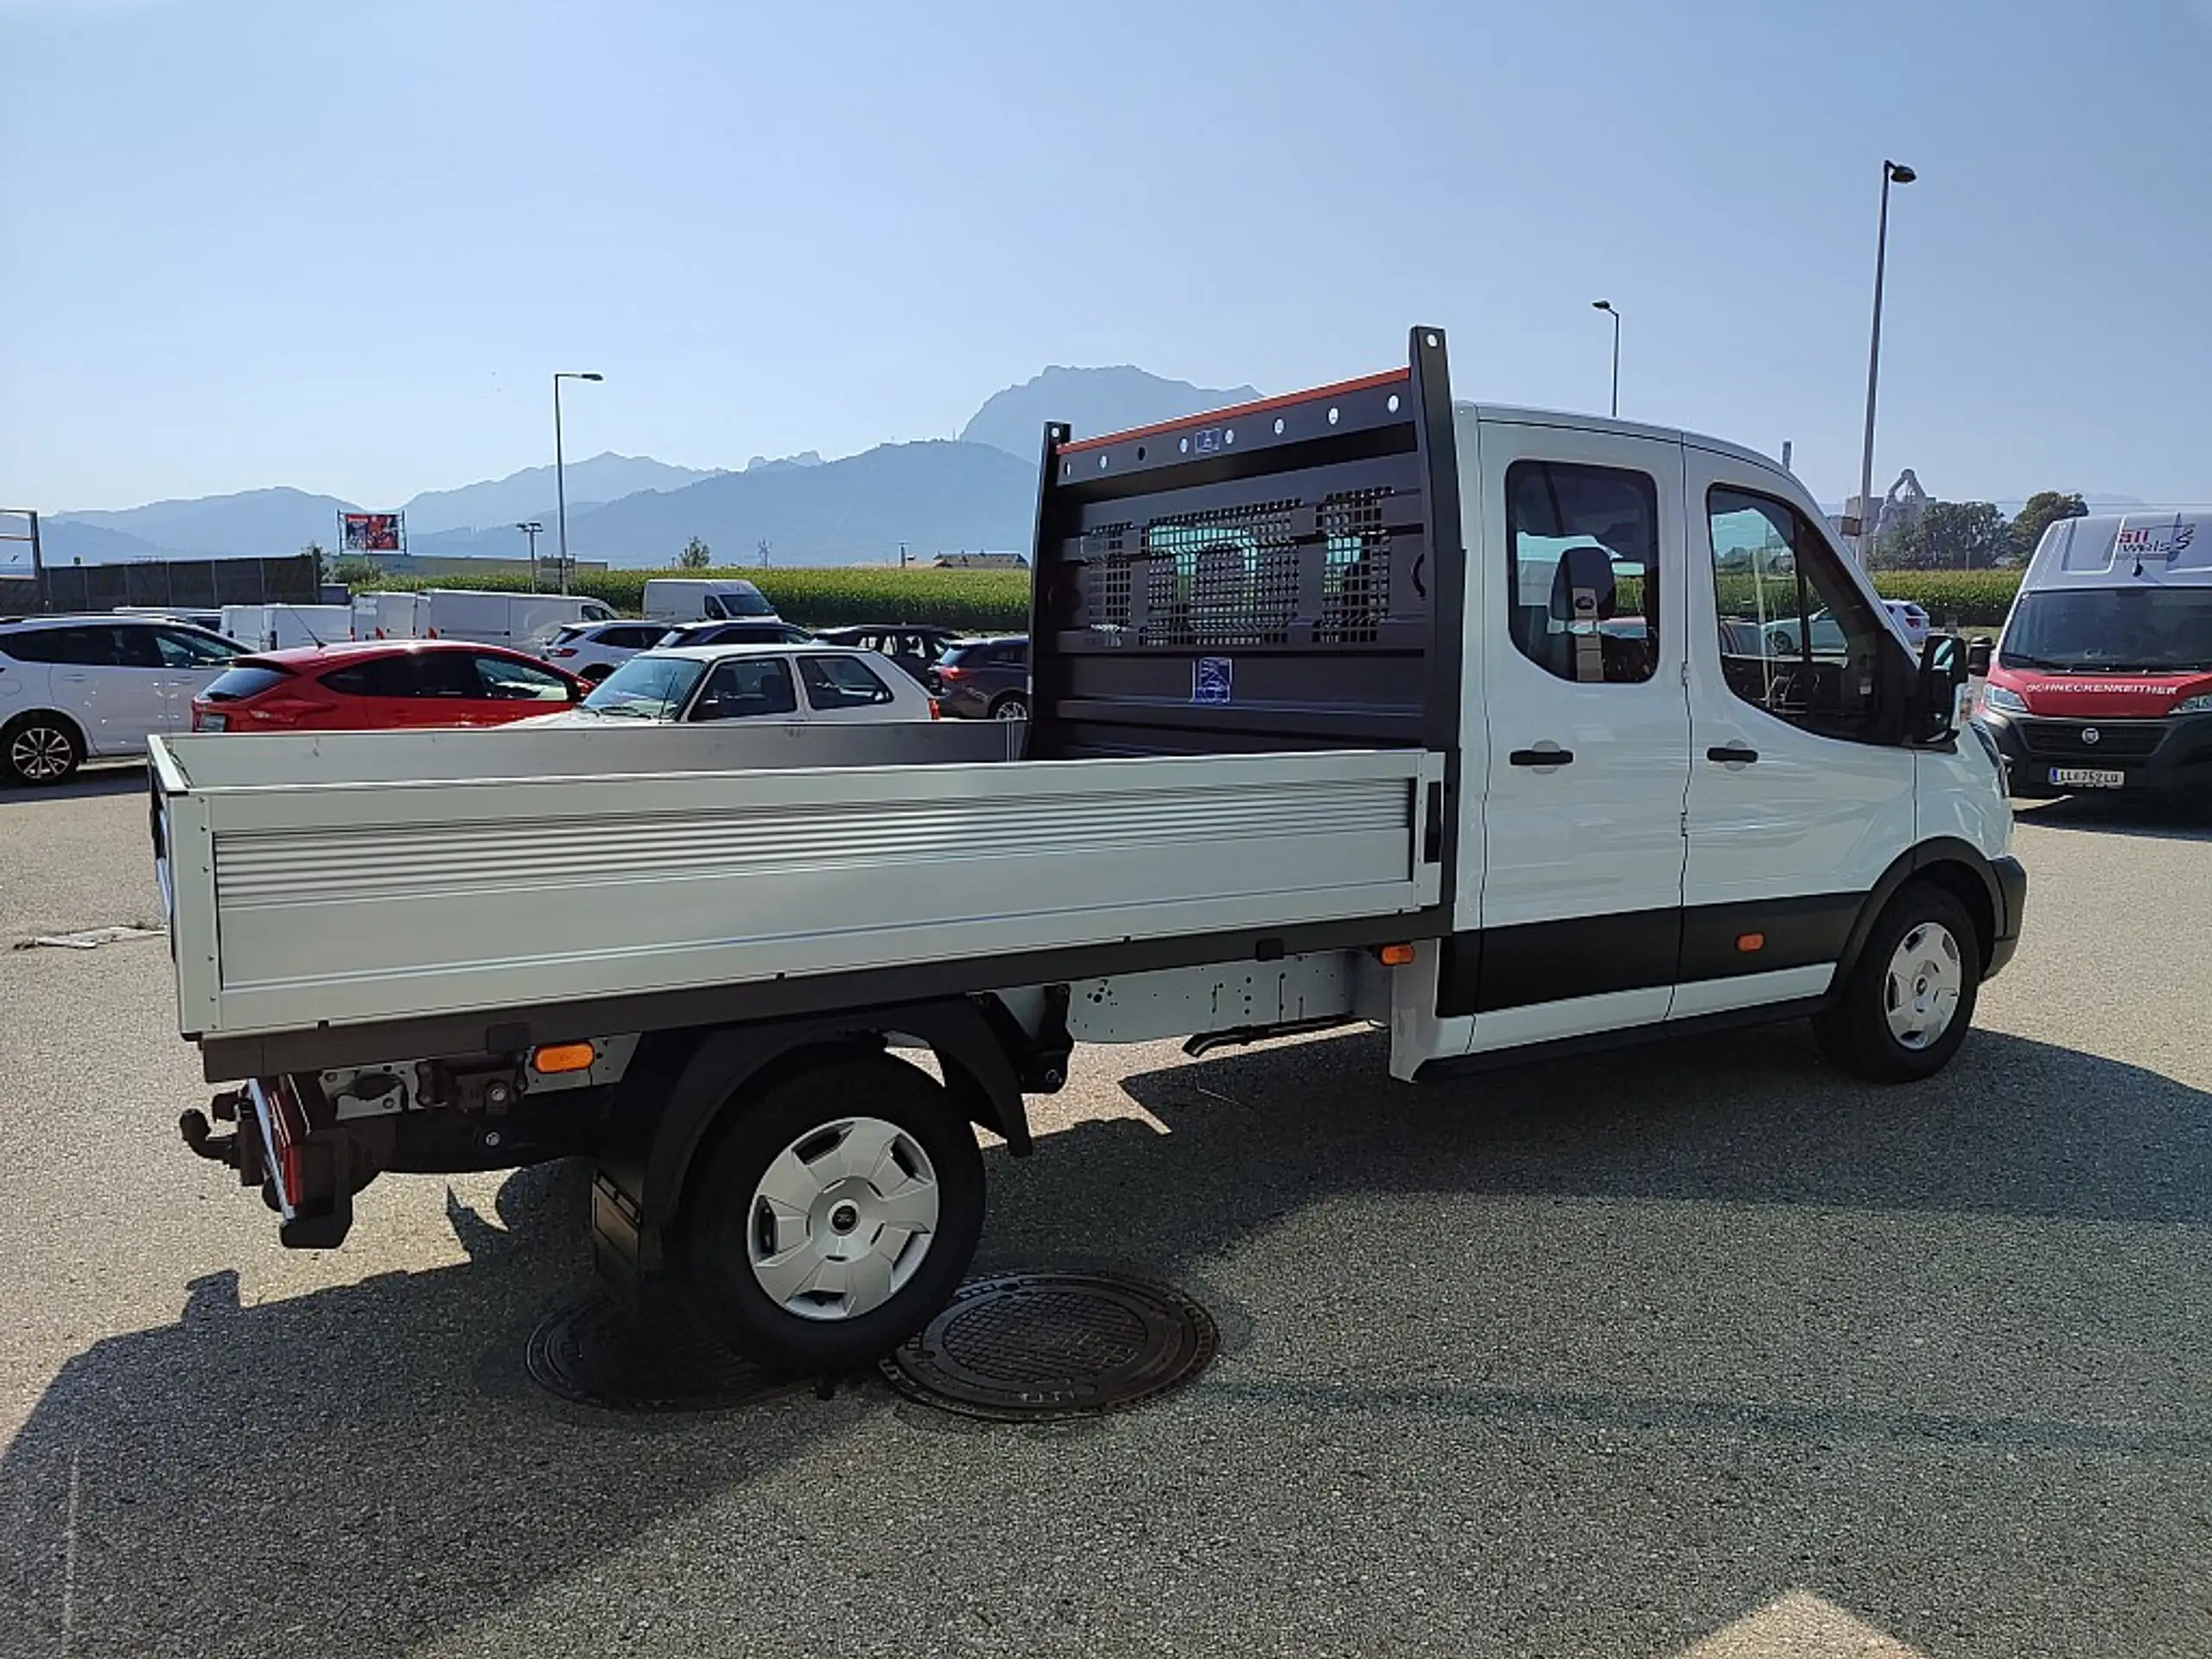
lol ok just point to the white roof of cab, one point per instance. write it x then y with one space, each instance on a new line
1507 413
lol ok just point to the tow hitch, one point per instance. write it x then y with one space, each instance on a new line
200 1134
304 1174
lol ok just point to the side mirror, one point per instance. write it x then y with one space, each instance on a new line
1978 652
1943 670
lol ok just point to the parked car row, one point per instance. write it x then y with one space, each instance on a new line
80 688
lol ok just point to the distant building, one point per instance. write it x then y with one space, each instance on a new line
1895 513
979 561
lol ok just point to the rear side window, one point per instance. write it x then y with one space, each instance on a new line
412 674
840 683
247 680
633 637
562 635
746 688
91 646
1582 588
31 646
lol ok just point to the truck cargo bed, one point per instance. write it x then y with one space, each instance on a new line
362 883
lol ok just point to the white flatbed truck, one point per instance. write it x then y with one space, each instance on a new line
1504 731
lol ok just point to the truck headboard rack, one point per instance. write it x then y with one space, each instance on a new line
1283 574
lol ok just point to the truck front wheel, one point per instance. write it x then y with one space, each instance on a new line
834 1216
1905 1008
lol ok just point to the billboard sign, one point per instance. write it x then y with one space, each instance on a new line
369 532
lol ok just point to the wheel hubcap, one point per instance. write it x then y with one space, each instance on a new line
1921 992
1012 711
40 752
843 1219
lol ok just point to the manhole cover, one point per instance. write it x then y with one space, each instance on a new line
593 1351
1034 1347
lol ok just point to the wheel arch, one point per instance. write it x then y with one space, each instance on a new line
1958 868
59 717
699 1083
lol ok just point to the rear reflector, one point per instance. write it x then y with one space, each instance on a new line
555 1057
1748 943
1396 956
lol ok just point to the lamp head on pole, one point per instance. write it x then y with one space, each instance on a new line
1900 173
1603 305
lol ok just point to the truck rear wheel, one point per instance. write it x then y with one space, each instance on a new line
1906 1007
835 1216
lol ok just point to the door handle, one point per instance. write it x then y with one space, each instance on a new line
1733 754
1554 756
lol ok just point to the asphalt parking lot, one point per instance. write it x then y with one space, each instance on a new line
1692 1350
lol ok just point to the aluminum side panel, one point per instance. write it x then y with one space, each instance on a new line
347 904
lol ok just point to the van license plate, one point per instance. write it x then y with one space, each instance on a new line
2082 778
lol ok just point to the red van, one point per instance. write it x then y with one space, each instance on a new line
2103 679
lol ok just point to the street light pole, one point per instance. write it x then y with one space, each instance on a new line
531 527
1892 173
1606 305
560 479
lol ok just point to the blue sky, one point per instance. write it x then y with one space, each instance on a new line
251 242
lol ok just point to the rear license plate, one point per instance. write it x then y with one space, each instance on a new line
2084 778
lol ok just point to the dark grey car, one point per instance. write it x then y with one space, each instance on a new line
983 679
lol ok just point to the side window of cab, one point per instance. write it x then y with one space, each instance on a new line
1798 637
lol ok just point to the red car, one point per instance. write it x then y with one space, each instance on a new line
381 684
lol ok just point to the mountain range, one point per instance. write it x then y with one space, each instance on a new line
975 492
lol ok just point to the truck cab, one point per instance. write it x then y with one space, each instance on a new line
2102 680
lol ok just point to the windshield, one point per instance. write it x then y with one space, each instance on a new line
2106 630
645 687
742 601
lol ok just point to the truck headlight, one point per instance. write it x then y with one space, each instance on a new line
2199 704
1998 700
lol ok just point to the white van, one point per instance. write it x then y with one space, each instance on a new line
684 599
387 616
521 621
279 627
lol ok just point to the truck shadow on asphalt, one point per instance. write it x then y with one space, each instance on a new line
366 1469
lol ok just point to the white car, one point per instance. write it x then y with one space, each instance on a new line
782 683
76 688
1911 620
592 651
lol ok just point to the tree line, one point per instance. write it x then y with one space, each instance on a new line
1972 534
